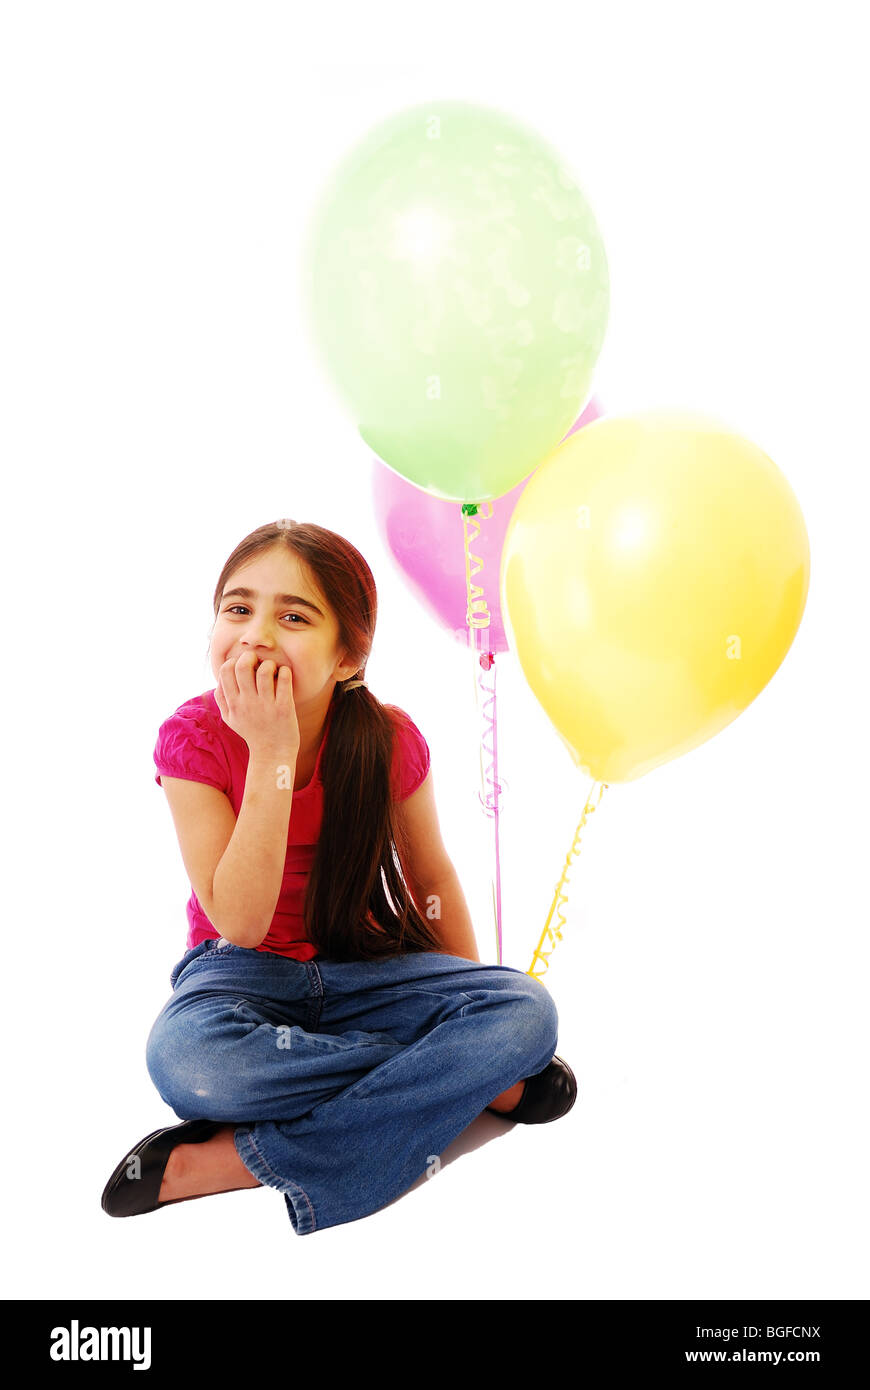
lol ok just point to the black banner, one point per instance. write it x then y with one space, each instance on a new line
85 1337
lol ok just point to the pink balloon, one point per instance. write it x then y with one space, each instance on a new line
424 534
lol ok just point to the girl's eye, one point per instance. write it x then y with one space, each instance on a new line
236 607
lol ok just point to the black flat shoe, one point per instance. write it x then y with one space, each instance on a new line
129 1195
547 1096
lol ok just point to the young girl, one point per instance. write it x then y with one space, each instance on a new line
331 1028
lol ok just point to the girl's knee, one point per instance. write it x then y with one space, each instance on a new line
155 1061
536 1017
193 1071
168 1071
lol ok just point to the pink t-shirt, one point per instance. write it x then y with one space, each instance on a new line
196 744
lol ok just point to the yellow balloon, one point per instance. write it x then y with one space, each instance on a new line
654 574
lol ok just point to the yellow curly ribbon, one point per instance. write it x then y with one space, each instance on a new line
554 934
477 612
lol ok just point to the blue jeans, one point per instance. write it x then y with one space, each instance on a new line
343 1079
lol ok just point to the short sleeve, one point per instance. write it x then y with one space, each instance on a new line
186 747
411 758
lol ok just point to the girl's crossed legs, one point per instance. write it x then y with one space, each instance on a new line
342 1081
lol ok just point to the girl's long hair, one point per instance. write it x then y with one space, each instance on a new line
356 864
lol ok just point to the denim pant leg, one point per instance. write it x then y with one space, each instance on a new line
465 1032
237 1040
346 1078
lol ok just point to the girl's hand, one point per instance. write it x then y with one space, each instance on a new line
259 708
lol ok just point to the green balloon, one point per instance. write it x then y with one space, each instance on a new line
458 291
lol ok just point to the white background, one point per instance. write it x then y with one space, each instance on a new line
160 400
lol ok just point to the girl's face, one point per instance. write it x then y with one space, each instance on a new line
284 618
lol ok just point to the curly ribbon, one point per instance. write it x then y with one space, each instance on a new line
477 613
477 617
489 780
554 934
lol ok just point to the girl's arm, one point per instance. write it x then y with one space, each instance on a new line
430 875
248 878
443 904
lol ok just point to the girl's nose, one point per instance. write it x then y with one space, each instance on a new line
258 635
